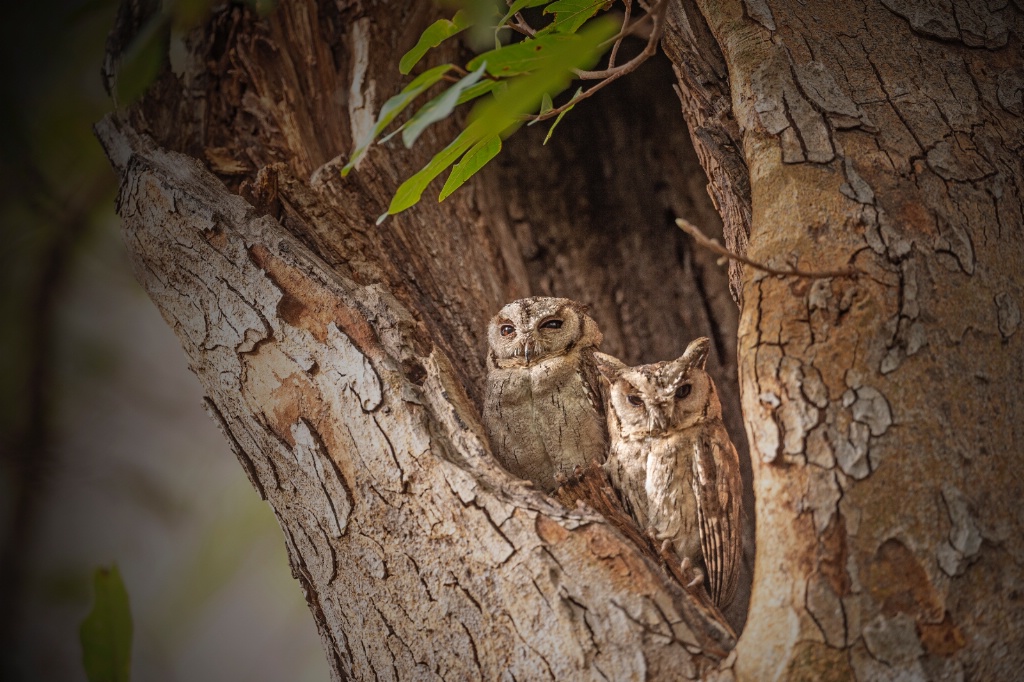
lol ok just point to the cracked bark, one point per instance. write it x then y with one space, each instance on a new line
344 361
881 410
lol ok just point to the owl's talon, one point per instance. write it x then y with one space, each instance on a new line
685 567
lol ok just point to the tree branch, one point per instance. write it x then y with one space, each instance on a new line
713 246
625 23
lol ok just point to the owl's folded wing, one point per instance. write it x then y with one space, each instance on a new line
716 486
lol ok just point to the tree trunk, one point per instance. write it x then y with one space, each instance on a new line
883 410
344 361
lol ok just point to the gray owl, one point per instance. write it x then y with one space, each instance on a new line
543 410
673 462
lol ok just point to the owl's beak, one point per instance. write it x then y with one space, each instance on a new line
656 423
527 342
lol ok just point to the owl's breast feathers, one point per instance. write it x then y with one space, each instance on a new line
545 417
568 409
672 507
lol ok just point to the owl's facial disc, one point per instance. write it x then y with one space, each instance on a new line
531 331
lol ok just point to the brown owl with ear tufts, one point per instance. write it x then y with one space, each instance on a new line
543 410
673 462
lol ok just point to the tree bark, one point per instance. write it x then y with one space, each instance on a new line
344 361
883 410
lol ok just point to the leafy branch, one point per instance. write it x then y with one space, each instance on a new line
511 85
656 16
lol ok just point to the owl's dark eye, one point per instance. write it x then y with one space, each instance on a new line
507 329
552 324
683 391
635 400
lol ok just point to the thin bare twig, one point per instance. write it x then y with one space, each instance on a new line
713 246
522 26
625 23
656 15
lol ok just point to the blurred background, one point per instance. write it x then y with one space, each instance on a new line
106 455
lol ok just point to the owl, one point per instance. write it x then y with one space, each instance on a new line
543 409
673 463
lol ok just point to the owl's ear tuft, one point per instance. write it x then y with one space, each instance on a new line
696 354
609 366
590 334
581 308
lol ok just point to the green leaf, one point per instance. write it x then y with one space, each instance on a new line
106 633
410 191
555 72
546 105
436 33
475 159
467 95
558 119
519 58
519 6
571 14
394 106
483 16
439 108
477 90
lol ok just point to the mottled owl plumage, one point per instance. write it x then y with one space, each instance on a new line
543 409
673 461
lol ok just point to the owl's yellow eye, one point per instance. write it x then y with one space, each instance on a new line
635 400
552 324
683 391
507 329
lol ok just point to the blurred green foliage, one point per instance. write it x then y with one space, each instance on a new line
56 187
54 181
106 633
56 213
